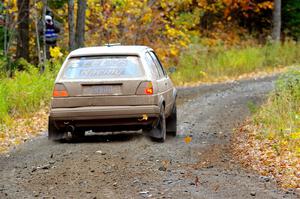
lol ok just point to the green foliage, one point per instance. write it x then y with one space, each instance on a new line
8 69
291 17
279 118
3 63
57 4
252 107
22 64
1 38
1 7
199 63
281 54
26 92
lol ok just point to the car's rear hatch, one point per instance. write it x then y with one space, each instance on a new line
101 81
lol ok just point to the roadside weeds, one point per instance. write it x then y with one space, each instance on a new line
261 156
21 130
269 142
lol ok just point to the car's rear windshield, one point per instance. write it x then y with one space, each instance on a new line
102 67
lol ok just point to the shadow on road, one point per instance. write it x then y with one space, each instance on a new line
103 138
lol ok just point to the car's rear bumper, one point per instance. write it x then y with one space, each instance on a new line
104 112
101 119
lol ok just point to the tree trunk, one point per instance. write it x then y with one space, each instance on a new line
38 45
44 36
80 24
6 34
71 25
23 29
276 20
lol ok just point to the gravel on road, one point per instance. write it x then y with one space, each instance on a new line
131 165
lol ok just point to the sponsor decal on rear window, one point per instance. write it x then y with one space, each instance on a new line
104 67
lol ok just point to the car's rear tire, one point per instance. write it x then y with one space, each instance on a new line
161 126
172 122
54 133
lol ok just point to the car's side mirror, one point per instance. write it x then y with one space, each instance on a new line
172 69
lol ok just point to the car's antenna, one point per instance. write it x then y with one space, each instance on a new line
112 44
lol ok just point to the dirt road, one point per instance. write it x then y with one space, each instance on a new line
130 165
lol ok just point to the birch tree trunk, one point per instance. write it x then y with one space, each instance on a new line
23 29
80 23
276 21
71 25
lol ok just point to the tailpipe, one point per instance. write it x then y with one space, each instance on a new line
70 128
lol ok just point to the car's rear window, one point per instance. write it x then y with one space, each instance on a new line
102 67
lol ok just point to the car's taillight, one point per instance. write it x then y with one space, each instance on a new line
145 88
60 91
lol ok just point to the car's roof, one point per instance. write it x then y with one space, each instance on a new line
109 50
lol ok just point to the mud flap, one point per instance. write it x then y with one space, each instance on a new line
171 126
54 133
172 122
154 133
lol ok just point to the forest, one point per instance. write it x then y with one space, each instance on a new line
206 41
169 27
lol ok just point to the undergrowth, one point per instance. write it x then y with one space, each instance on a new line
202 64
279 118
26 92
269 142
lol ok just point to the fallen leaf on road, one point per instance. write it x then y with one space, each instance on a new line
187 139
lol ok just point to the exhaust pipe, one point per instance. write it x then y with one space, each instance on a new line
70 128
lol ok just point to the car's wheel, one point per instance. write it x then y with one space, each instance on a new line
172 122
161 126
54 133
